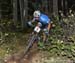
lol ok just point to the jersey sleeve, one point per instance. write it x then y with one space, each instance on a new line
33 20
49 20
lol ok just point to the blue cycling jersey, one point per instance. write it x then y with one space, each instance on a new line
44 19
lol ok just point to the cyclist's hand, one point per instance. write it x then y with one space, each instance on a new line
46 31
29 23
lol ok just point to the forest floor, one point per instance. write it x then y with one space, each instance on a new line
61 48
37 57
12 53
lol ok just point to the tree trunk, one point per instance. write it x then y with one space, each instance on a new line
50 3
55 7
15 11
65 7
62 4
25 12
0 11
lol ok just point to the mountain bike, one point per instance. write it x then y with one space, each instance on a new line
33 38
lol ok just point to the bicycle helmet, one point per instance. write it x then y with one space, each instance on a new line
36 13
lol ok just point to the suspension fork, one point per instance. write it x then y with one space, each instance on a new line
31 41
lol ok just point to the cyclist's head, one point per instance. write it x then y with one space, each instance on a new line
36 13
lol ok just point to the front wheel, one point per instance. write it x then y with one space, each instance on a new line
31 42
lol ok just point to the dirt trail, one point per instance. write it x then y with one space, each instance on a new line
16 58
36 57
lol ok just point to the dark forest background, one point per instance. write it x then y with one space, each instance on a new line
14 33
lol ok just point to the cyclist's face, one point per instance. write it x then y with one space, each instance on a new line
36 18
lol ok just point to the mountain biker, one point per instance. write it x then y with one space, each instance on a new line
44 22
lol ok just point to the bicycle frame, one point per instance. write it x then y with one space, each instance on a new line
33 38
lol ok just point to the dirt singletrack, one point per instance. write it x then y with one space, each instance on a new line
16 58
20 58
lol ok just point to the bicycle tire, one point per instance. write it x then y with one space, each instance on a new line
31 41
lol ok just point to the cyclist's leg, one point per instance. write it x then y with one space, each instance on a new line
47 29
44 37
45 33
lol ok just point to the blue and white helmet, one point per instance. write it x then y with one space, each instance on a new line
36 13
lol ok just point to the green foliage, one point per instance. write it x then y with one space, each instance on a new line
58 46
11 42
61 48
41 44
9 25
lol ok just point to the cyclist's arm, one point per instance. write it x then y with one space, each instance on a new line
33 20
49 26
30 22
